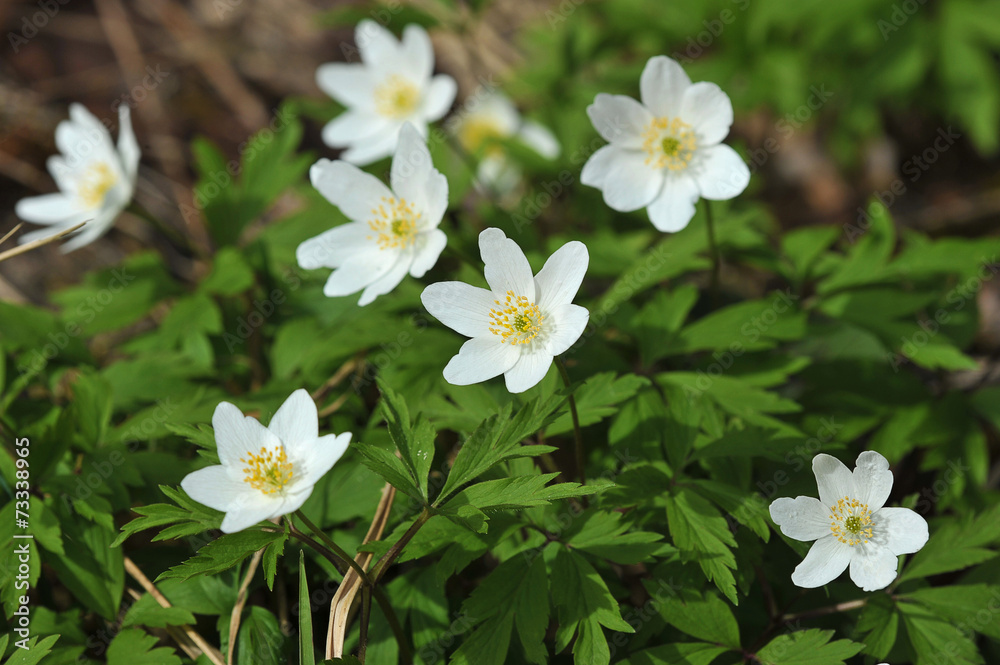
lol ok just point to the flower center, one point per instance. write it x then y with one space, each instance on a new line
95 183
396 97
851 521
669 143
478 134
395 223
266 471
515 320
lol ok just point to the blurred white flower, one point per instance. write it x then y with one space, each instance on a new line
521 322
95 179
392 85
849 524
266 472
665 152
390 232
487 118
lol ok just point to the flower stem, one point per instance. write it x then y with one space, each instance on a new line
397 547
831 609
366 614
713 249
335 548
578 436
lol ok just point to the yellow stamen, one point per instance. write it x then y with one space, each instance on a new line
396 97
95 183
396 224
517 321
851 521
266 471
480 134
669 144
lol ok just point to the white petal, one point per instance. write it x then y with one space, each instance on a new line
619 119
332 248
430 246
236 434
94 229
439 95
873 567
215 487
373 148
128 147
872 480
349 188
417 52
662 86
900 530
720 172
708 110
559 279
529 369
352 126
296 422
598 166
411 167
358 272
47 208
631 184
352 85
323 453
389 280
833 479
83 139
564 326
492 106
498 173
379 48
540 139
826 560
480 359
292 501
802 518
62 173
460 306
506 269
673 209
436 199
251 512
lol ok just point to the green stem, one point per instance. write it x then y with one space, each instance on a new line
397 548
335 548
578 436
366 614
394 624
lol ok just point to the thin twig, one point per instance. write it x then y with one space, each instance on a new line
12 232
577 434
337 377
27 247
334 406
241 600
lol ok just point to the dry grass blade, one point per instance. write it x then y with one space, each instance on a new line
241 600
38 243
12 232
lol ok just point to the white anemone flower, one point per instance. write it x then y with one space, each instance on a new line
488 117
392 85
391 232
849 524
96 179
266 472
521 322
666 152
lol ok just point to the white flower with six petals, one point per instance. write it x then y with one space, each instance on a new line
96 179
266 472
849 524
666 152
391 232
392 85
521 322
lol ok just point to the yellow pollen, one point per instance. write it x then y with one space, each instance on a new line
480 134
516 320
669 143
266 471
396 97
395 224
95 183
851 521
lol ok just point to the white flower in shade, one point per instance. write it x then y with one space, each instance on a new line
489 117
521 322
391 232
392 85
266 472
849 524
95 179
666 152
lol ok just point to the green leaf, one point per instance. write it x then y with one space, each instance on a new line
147 612
231 274
223 553
34 653
956 545
607 535
134 647
517 492
390 468
807 647
705 617
963 605
702 534
878 625
307 651
415 443
596 399
680 653
747 326
188 518
269 562
936 640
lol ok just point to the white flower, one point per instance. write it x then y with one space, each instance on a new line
392 85
390 233
849 524
266 472
95 179
521 323
666 152
488 116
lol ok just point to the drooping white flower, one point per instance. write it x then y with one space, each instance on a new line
521 322
96 179
392 85
489 116
666 152
849 524
391 232
266 472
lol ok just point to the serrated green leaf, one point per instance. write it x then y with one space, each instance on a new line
807 647
134 647
702 534
222 554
